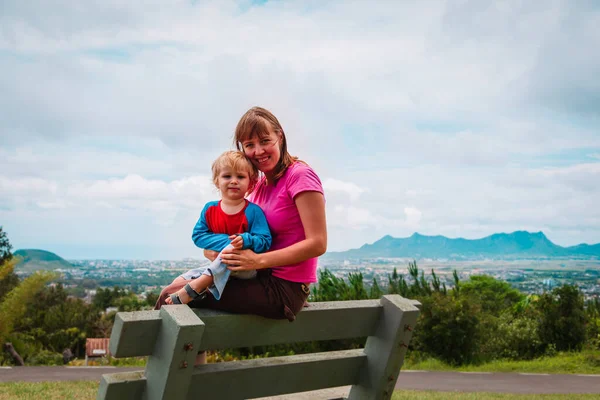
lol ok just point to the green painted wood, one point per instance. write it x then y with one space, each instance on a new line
416 303
123 385
385 350
320 321
134 333
169 369
274 376
163 335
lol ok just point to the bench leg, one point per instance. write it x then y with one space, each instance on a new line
169 368
386 349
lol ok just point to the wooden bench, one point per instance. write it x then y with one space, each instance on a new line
96 348
172 336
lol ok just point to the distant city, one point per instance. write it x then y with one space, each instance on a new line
529 261
528 275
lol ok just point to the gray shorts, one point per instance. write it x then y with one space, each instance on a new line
220 275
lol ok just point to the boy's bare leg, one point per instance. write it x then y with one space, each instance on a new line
178 279
200 358
199 284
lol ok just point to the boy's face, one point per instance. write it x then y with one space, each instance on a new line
233 185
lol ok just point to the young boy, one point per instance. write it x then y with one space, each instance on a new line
232 221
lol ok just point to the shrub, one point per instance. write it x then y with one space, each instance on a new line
45 357
516 338
448 328
562 320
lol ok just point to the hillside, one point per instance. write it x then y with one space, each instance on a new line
519 244
34 260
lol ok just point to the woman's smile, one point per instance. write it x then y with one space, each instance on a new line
262 160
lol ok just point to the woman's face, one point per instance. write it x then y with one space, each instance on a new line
264 152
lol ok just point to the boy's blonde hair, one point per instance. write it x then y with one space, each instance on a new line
237 161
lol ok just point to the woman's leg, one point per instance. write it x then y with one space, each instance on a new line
266 295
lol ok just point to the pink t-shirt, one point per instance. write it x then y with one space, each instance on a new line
277 202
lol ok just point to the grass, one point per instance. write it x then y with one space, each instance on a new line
48 390
111 361
409 395
585 362
82 390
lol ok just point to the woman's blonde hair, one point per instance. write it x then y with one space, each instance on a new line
236 161
254 123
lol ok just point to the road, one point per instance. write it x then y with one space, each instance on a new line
411 380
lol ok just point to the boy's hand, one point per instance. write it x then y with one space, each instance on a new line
237 241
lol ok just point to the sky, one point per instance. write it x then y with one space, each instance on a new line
455 118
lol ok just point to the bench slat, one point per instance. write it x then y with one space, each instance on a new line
278 375
122 385
320 321
134 333
251 378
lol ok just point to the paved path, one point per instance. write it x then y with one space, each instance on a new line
411 380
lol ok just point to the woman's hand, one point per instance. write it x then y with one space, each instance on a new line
241 260
211 254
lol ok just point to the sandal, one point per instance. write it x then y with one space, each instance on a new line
190 292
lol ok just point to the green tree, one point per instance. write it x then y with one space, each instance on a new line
375 292
151 298
105 298
513 337
330 287
494 295
8 278
357 287
14 304
58 321
562 321
5 247
448 328
456 288
397 284
129 302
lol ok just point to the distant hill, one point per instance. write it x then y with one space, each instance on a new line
34 260
519 244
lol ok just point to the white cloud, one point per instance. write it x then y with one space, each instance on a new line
447 118
352 190
413 216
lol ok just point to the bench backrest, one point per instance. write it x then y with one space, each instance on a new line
173 336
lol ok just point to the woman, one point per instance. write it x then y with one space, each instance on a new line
291 196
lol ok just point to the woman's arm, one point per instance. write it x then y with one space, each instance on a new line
311 207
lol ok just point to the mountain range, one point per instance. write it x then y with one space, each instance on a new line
519 244
515 245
